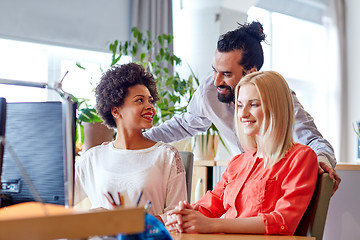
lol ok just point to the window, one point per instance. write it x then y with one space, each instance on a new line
46 63
299 51
22 61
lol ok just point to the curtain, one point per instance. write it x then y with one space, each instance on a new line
341 27
337 31
154 16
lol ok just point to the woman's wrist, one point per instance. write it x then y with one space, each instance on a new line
214 225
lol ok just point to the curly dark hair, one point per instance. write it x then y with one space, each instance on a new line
247 38
113 88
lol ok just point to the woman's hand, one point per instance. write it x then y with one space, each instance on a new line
172 223
195 222
99 209
174 217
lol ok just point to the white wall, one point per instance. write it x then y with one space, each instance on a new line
343 219
198 25
85 24
198 42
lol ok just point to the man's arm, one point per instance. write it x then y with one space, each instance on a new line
305 132
178 127
185 125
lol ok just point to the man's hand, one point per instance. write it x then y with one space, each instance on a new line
323 167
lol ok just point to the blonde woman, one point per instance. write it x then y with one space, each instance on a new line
266 189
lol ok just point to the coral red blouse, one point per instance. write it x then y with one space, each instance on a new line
279 194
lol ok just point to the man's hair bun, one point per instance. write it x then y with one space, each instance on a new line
254 29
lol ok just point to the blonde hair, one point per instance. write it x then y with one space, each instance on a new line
278 109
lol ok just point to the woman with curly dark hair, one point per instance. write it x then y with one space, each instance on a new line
132 165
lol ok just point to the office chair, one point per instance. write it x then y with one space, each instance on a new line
187 159
313 222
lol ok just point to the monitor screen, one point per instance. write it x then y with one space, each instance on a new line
34 132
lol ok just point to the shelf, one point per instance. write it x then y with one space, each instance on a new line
347 166
205 163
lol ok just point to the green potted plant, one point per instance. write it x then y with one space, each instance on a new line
154 54
356 127
174 92
90 124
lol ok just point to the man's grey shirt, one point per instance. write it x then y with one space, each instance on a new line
204 109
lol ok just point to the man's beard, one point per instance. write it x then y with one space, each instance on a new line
226 98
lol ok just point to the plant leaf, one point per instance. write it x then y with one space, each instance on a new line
79 66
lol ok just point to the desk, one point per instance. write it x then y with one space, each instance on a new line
184 236
48 221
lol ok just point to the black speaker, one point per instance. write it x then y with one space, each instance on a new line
2 129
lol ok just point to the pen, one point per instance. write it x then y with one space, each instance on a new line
147 206
139 198
111 202
120 199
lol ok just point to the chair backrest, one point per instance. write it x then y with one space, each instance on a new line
313 222
187 159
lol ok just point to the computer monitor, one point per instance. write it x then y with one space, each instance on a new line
35 133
